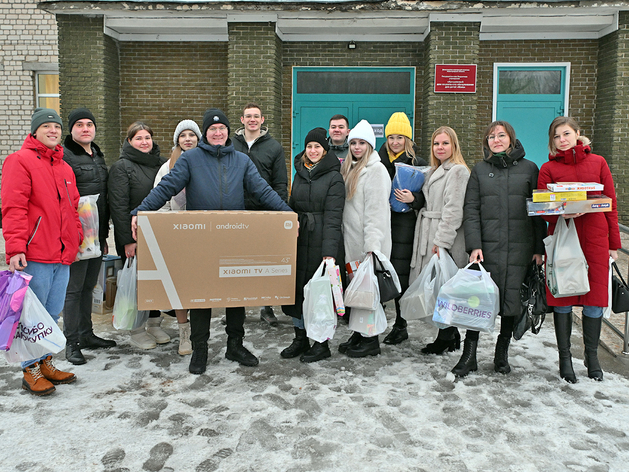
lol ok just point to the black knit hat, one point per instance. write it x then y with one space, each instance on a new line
44 115
80 114
317 135
213 116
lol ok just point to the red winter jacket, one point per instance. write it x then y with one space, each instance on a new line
598 232
39 205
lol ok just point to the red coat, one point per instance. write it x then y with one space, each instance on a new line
598 232
39 205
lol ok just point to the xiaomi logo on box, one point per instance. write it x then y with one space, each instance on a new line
207 259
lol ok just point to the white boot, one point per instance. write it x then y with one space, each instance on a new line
154 329
185 346
141 339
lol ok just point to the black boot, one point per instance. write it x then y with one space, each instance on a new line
198 361
91 341
501 357
317 352
239 353
591 337
74 354
299 345
448 339
467 362
563 329
354 340
367 347
398 332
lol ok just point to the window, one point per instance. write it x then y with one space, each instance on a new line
530 81
47 91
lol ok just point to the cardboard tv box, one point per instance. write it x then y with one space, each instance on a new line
208 259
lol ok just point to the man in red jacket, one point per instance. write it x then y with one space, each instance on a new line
41 228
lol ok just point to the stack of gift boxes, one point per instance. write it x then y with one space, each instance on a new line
567 198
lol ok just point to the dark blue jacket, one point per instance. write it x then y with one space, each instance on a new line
215 178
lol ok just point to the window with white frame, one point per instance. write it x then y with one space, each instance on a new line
47 90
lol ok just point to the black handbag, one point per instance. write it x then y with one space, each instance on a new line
620 293
386 285
533 300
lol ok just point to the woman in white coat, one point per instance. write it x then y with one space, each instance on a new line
438 226
366 217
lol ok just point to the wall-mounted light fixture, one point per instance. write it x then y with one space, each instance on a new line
351 45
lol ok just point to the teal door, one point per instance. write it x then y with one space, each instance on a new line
359 93
530 98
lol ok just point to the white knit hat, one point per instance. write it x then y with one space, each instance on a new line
363 130
184 125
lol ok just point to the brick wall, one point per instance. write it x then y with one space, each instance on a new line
254 72
164 83
336 54
450 43
88 77
29 35
582 56
610 132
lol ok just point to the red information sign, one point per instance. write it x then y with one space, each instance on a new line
455 78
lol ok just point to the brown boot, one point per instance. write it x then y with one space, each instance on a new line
55 375
35 382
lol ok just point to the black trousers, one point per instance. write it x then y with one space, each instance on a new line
77 311
200 324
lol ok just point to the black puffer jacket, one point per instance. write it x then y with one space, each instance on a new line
268 156
91 178
403 224
495 220
318 197
131 178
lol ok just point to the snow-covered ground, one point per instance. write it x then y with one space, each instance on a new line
401 411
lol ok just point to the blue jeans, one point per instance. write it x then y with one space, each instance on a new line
49 284
299 323
589 311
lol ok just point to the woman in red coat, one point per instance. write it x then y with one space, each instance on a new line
571 160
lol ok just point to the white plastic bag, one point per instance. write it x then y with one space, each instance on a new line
469 300
126 314
88 214
368 322
363 291
566 266
318 308
37 333
418 302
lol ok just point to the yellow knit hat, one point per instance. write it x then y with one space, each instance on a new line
399 124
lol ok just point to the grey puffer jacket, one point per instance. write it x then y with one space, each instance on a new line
268 156
496 221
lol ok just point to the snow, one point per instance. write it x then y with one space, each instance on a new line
400 411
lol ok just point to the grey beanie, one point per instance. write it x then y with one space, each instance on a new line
184 125
44 115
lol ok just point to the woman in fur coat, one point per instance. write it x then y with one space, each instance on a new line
439 222
366 217
571 160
